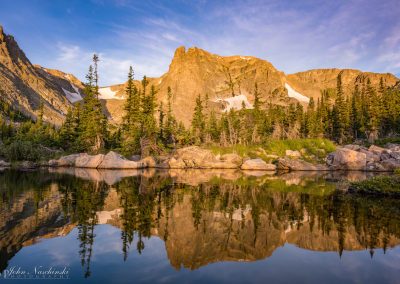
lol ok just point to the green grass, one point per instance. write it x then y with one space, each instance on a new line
384 141
380 186
314 150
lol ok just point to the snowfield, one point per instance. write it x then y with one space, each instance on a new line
108 94
72 97
234 103
293 94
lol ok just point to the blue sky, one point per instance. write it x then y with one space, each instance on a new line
293 35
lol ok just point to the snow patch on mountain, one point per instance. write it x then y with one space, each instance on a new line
72 97
294 94
235 103
107 94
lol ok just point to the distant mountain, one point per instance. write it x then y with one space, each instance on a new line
24 85
310 83
227 80
195 71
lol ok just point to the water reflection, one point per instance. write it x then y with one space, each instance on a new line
202 216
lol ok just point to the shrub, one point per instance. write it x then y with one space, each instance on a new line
21 151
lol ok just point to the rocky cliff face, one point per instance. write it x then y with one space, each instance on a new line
24 85
228 81
310 83
195 71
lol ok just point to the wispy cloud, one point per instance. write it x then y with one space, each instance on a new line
293 35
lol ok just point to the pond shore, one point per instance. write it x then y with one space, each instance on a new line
349 157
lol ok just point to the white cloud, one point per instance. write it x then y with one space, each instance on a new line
68 52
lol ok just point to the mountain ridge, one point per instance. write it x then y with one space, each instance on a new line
192 71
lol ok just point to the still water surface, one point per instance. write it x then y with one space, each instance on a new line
194 227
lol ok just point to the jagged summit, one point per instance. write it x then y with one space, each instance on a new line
192 71
25 86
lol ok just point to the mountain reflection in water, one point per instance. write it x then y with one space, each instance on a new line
202 217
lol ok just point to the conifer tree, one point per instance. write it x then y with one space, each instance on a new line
339 113
148 121
93 123
68 132
198 121
170 124
131 121
161 125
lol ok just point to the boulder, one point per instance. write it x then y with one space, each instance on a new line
257 164
27 165
87 161
376 149
352 147
176 164
192 157
385 155
115 161
346 159
195 157
395 155
65 161
299 165
371 156
4 164
292 154
393 147
231 161
390 164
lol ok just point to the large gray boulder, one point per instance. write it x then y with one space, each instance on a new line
346 159
65 161
176 163
390 164
371 156
194 157
376 149
88 161
257 164
299 165
114 160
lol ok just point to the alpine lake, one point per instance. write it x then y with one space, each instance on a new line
70 225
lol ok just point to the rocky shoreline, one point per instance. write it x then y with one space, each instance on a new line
348 157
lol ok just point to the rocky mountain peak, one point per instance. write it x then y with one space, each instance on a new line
10 53
25 86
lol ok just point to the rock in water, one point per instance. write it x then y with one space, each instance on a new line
192 157
346 159
257 164
87 161
299 165
116 161
65 161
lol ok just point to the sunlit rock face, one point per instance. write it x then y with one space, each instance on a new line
225 83
24 85
218 217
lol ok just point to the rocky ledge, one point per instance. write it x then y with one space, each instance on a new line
374 158
111 160
349 157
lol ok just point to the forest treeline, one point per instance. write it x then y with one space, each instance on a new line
365 113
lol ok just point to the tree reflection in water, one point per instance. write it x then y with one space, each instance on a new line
246 218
